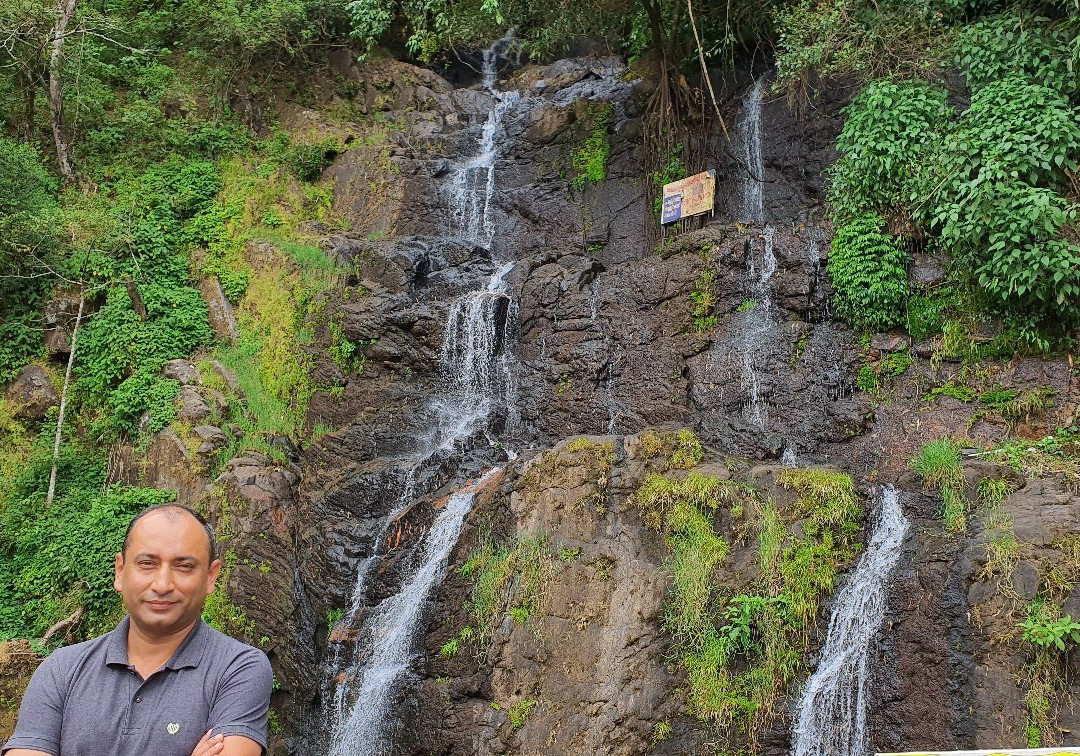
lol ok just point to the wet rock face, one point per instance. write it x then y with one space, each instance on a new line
953 665
724 329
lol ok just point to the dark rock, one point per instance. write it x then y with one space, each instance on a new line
192 407
547 122
181 370
927 271
169 464
890 343
32 394
212 438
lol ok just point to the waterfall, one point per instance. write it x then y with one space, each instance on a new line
753 200
831 715
473 184
758 325
475 371
395 623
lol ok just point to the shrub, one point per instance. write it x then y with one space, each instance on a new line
52 560
989 191
590 160
868 274
1012 45
889 127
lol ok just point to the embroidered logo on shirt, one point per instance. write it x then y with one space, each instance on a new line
173 728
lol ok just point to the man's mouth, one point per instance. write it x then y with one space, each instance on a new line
160 606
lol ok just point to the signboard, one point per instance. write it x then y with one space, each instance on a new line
692 195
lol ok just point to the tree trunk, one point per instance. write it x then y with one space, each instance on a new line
28 87
63 402
136 298
66 11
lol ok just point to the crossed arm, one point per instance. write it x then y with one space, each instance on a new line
210 745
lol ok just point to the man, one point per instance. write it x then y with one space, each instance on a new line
163 683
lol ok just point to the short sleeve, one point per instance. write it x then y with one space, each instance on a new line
242 699
41 714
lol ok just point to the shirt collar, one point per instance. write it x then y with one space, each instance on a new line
188 655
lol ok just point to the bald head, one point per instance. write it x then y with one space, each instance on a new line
174 513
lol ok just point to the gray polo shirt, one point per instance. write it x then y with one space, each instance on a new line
86 700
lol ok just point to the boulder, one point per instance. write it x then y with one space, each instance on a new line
212 438
192 406
182 371
32 393
222 319
58 318
169 464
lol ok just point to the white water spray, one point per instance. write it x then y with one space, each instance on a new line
394 627
753 200
831 716
476 371
758 326
473 185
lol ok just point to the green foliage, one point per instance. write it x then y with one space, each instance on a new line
868 272
854 38
520 711
938 464
989 192
704 301
450 648
688 451
827 498
29 216
1014 45
890 127
590 160
926 314
52 560
895 364
1047 631
506 579
305 161
739 655
671 169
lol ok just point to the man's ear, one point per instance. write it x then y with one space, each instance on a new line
212 575
118 569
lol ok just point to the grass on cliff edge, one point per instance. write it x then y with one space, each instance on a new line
938 464
740 652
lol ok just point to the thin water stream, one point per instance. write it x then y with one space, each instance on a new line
759 325
831 714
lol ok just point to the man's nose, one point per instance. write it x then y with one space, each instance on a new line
163 580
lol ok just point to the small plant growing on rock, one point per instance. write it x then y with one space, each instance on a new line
661 731
520 711
938 464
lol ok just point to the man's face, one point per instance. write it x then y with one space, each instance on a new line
165 573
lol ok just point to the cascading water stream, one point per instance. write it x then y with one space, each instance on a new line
752 188
473 184
476 372
394 626
758 324
831 714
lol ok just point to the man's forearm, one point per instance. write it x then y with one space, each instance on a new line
25 752
238 745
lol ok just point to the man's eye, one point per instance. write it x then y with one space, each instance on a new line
185 567
145 564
